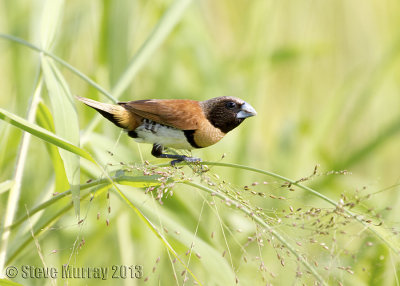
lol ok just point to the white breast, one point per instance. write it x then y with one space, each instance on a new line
151 132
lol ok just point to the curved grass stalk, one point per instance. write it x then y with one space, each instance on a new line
60 61
145 180
155 231
261 222
378 232
103 184
43 134
15 190
274 175
46 225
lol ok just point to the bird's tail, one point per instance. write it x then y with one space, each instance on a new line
117 114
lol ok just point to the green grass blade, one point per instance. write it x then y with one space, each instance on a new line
211 259
5 282
65 117
5 186
155 231
157 36
15 191
61 62
368 149
45 120
50 220
138 182
50 15
43 134
66 123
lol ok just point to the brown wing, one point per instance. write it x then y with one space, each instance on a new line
179 113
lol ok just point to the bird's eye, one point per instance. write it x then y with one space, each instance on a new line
230 105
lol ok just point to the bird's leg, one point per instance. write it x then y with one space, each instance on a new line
157 152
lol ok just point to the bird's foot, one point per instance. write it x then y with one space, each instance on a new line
157 152
185 159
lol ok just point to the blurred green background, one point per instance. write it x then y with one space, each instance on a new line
324 78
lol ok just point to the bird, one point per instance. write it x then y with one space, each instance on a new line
176 123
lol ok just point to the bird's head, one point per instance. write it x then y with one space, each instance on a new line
227 112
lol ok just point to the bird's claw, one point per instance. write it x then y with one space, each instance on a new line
186 159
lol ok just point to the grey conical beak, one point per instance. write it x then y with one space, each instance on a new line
246 111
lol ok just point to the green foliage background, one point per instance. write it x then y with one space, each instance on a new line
324 78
